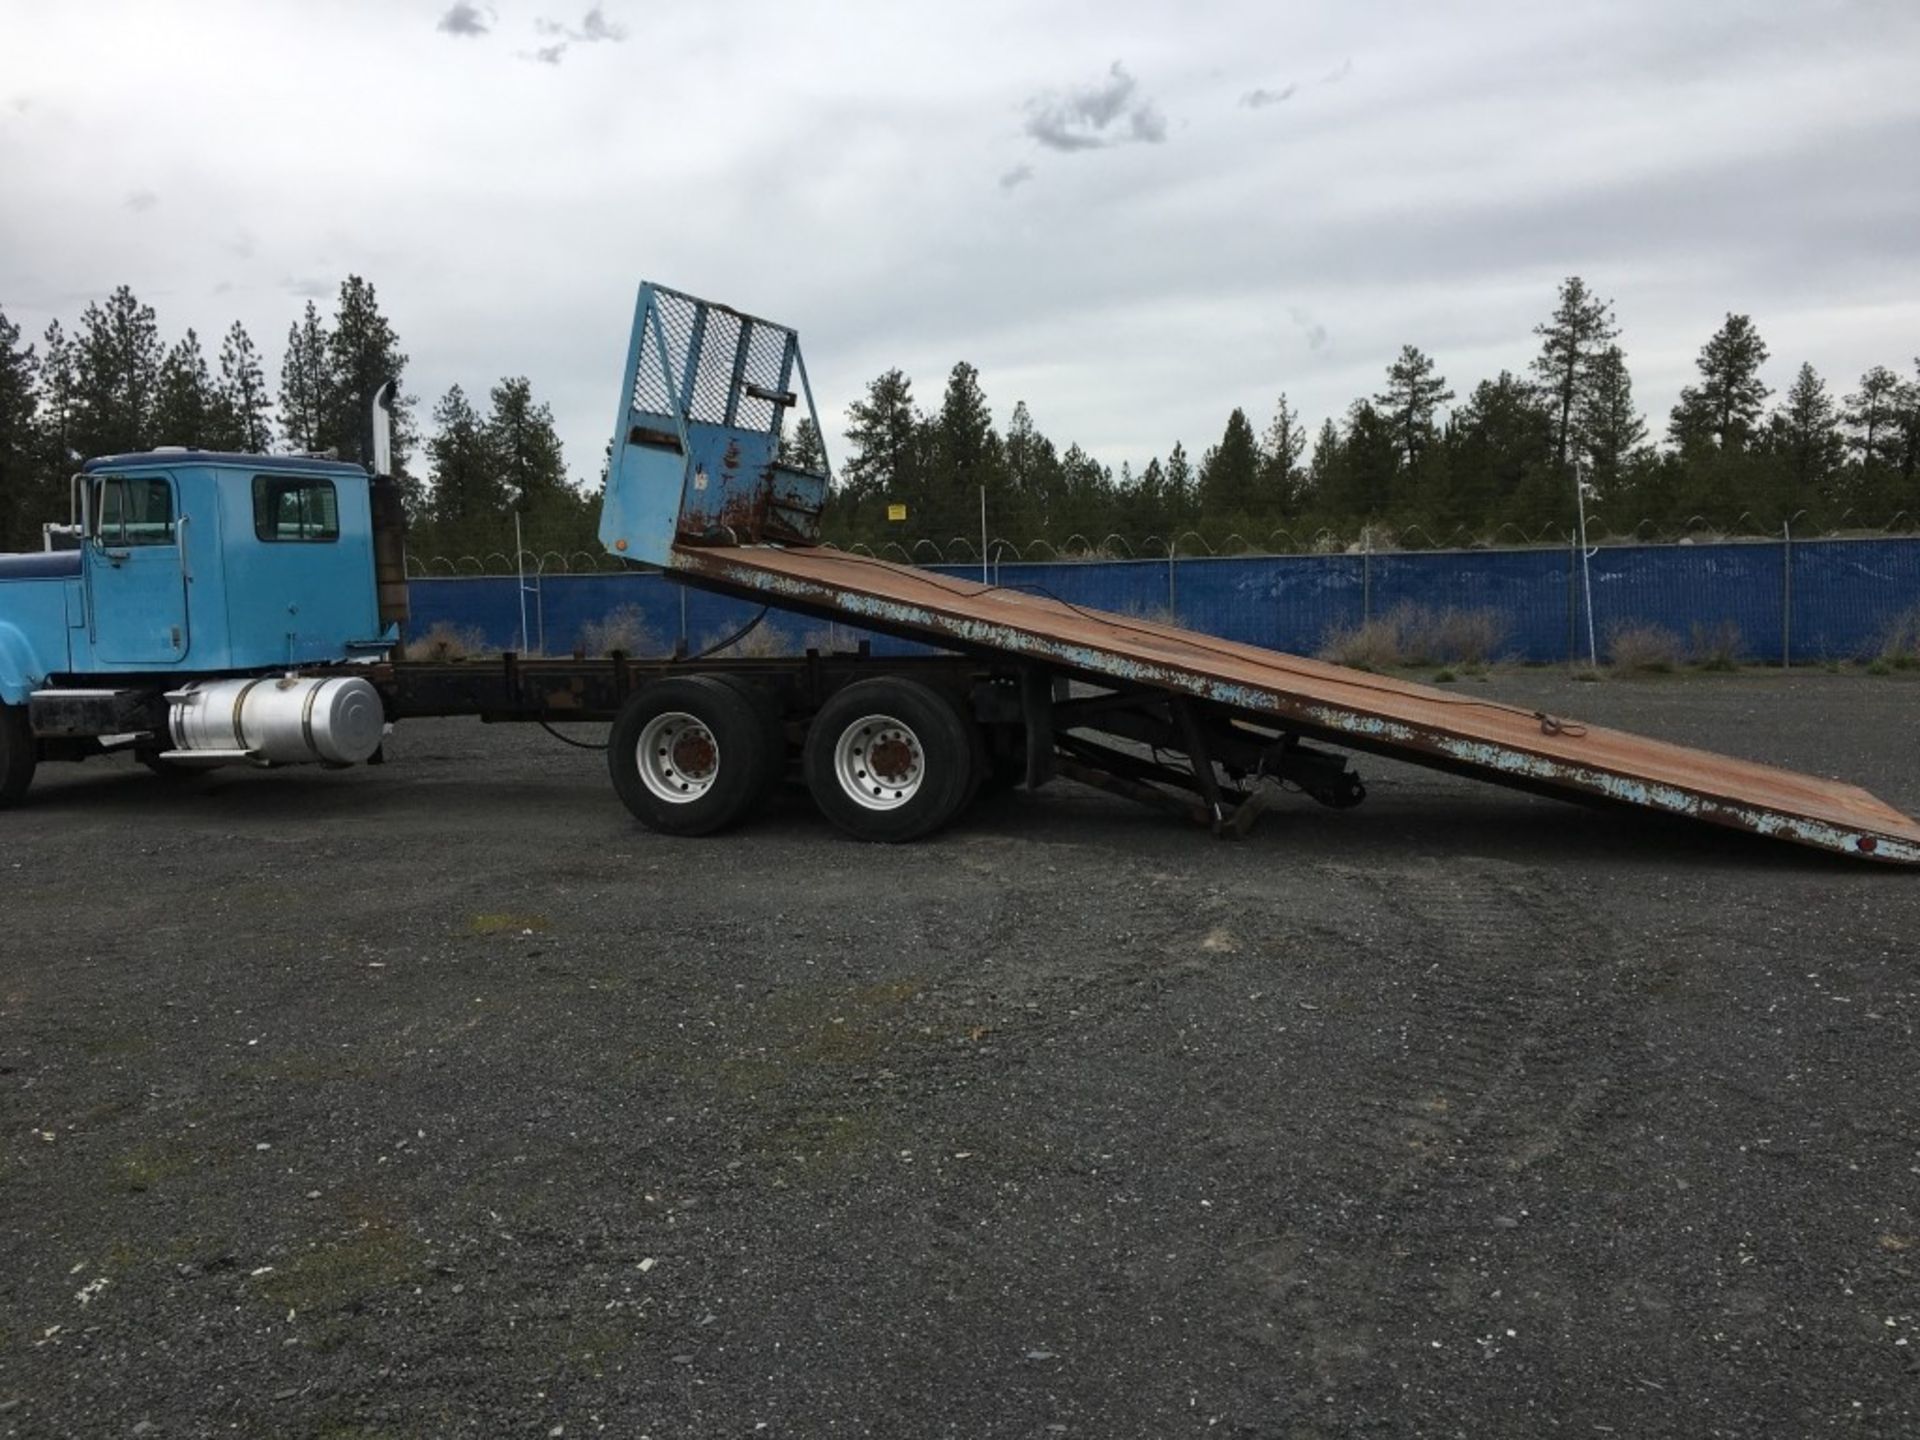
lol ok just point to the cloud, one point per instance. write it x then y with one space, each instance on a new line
593 29
141 201
546 54
1315 332
465 19
1018 175
597 27
1260 99
306 289
1097 116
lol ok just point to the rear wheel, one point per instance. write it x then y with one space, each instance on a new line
773 735
688 755
19 754
889 760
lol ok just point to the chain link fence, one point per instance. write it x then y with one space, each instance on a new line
1783 600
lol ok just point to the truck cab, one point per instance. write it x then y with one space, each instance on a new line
184 580
194 563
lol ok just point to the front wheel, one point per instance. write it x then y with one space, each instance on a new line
19 755
688 755
889 760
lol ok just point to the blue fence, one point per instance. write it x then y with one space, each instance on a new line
1825 599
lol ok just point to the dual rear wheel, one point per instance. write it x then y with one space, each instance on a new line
887 759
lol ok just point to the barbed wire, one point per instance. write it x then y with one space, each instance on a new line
1192 545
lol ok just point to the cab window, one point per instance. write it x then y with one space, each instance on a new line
298 509
133 511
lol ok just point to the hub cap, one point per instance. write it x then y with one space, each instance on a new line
678 757
879 762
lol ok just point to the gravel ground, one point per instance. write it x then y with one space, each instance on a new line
440 1099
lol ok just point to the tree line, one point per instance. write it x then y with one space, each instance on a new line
1406 459
1407 456
112 386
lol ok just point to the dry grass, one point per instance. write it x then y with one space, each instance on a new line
1716 646
1900 641
1372 645
444 641
1644 649
1458 637
766 642
1413 635
625 630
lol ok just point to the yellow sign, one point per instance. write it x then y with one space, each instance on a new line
896 512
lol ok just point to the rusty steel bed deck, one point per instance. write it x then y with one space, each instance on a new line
1489 740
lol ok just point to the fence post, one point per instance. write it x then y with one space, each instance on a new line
1573 606
1366 574
1786 595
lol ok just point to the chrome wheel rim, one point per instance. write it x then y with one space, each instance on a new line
879 762
678 757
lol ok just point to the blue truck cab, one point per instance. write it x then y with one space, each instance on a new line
182 569
195 563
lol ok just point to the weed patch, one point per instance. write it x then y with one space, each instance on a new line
445 641
625 630
1643 649
1415 635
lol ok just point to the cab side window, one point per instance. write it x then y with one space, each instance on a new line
133 511
297 509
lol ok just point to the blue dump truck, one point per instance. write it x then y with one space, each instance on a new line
200 609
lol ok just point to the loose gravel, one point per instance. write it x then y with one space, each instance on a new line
439 1099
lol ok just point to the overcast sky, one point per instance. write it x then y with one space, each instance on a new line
1133 216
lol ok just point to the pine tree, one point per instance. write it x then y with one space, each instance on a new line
1182 495
1503 448
1230 471
306 381
1907 418
1611 428
1872 416
525 448
1033 475
883 440
966 453
116 373
1408 404
1571 346
1324 461
1805 431
242 405
184 398
364 353
803 449
1280 475
1087 497
58 407
1141 504
1725 406
21 511
466 476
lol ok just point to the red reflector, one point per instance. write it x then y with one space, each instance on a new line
1869 844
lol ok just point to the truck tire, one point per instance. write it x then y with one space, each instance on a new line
18 754
773 736
688 755
889 760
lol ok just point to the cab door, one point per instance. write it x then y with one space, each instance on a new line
136 571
